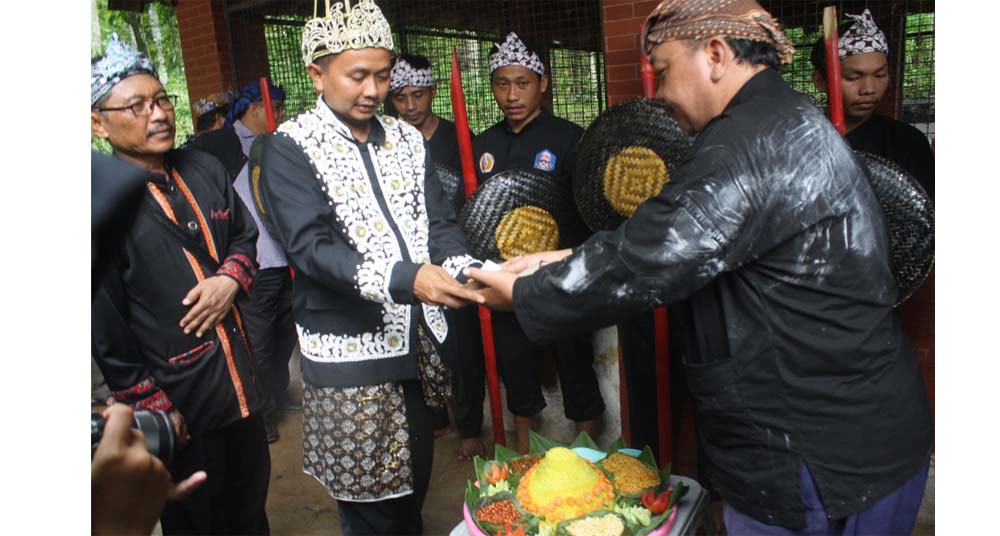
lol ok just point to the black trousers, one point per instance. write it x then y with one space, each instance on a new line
267 315
232 500
636 338
400 515
519 361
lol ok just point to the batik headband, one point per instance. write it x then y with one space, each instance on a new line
863 37
701 19
119 62
403 75
513 52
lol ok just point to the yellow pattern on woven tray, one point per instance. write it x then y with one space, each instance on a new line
630 474
527 229
632 176
564 486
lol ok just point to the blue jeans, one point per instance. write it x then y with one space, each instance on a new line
894 514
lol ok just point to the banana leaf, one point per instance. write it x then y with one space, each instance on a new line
539 445
492 528
504 454
617 445
584 440
561 528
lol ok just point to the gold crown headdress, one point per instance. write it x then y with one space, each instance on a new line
345 28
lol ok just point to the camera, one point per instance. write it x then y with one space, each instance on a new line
156 427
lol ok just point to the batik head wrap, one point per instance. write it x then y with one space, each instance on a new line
513 51
862 37
404 75
119 62
701 19
249 95
212 102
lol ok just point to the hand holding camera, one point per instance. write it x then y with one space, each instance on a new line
128 484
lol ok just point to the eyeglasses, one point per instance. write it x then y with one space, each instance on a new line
145 106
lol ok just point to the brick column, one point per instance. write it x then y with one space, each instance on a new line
622 26
205 46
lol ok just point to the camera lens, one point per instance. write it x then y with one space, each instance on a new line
156 427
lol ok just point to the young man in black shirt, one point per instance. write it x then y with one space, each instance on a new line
411 92
528 137
864 66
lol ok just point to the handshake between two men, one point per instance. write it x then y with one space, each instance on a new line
491 286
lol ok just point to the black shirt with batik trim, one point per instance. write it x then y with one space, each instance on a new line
190 226
548 143
898 142
771 230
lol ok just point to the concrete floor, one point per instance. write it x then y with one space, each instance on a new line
299 505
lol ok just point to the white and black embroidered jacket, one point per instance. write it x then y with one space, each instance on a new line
357 220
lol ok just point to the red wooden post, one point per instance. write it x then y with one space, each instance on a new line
834 92
661 325
469 180
265 91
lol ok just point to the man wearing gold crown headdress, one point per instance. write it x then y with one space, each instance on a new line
376 254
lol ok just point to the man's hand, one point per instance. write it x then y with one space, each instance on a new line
128 485
434 286
498 287
180 427
212 299
523 262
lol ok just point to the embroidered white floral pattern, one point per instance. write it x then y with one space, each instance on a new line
455 265
399 169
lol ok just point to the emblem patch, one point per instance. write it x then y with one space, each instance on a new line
545 160
486 162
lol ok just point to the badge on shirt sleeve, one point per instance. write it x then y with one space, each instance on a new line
545 160
486 162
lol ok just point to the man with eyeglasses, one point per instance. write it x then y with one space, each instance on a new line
268 311
165 332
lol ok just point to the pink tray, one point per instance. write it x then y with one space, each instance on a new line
474 529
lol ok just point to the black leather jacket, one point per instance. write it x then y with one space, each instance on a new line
771 230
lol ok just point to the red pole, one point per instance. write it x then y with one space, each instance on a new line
469 179
661 324
648 76
265 91
834 92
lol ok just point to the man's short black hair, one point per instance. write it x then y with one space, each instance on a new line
747 51
416 60
323 61
818 55
207 119
754 52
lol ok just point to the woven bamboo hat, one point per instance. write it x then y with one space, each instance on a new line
909 217
520 211
625 157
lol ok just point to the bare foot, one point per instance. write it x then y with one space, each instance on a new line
441 432
469 448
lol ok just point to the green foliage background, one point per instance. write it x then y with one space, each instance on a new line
154 32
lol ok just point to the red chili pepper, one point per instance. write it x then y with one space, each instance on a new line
656 504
